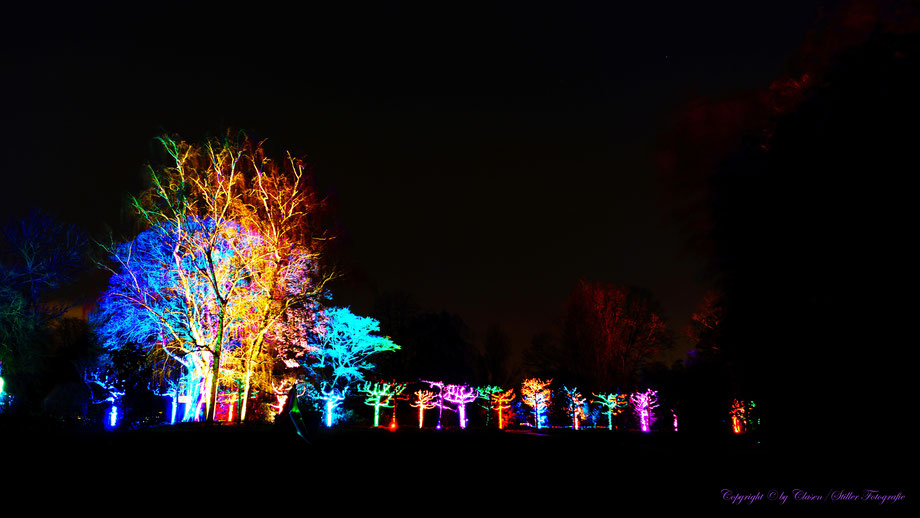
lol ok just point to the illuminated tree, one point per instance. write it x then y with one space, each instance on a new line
609 332
742 416
230 252
613 403
644 404
501 402
381 395
343 345
159 297
424 400
485 394
460 395
536 394
576 404
439 399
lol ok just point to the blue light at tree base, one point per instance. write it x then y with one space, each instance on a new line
113 416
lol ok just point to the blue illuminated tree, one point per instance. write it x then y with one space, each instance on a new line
168 295
344 344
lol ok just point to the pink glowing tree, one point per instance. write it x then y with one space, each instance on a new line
424 400
644 404
439 399
460 395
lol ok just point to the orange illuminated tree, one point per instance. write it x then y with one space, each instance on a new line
424 400
536 394
501 401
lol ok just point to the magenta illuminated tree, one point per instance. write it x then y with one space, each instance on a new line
460 395
644 404
439 399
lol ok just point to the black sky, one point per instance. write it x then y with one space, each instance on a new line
481 157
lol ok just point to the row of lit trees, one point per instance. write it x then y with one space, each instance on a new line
536 394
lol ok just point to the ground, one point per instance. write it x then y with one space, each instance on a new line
409 471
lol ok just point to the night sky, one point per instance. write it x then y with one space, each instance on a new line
480 157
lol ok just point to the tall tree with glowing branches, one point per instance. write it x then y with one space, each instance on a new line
230 253
536 394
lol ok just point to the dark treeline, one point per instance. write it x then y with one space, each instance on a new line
807 223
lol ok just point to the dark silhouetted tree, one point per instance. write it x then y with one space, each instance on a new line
609 332
39 256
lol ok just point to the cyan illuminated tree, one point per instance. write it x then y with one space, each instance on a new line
343 345
613 403
536 394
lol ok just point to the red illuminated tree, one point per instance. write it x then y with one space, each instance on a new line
610 331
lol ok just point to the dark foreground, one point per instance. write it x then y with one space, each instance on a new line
261 468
